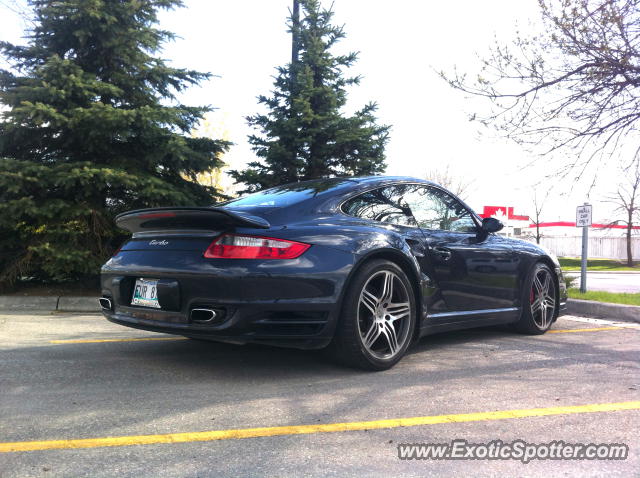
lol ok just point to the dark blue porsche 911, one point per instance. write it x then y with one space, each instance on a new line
363 266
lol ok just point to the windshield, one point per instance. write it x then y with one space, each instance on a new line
286 195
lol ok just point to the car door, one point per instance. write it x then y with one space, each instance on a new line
475 272
387 205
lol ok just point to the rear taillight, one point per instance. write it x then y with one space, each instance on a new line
232 246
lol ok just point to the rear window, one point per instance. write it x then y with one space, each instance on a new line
283 196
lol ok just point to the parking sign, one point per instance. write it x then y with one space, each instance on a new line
583 215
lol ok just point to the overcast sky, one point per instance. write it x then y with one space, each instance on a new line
401 43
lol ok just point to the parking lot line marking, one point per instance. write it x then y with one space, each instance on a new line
589 320
99 341
312 429
596 329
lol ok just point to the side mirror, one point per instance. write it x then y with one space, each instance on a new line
491 224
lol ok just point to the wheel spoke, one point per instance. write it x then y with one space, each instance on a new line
391 336
551 302
372 335
538 285
546 283
536 305
543 317
398 310
369 300
387 287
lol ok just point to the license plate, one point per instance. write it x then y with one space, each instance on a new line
145 293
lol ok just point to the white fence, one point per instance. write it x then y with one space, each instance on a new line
599 247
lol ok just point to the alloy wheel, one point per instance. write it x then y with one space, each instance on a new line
542 298
384 315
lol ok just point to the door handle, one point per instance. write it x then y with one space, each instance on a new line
442 253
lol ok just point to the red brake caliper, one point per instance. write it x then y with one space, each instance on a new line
531 296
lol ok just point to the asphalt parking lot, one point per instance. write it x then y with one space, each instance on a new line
178 407
628 282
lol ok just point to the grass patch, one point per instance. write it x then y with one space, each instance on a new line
611 297
573 264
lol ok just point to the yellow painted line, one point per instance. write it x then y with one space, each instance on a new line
311 429
595 329
99 341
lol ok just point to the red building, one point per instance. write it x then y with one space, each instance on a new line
522 226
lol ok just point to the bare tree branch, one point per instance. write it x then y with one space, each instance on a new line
626 200
457 184
575 87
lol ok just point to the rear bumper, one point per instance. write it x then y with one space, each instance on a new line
292 303
297 325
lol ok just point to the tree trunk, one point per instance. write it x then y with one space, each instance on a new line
295 39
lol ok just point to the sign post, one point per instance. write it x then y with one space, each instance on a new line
583 220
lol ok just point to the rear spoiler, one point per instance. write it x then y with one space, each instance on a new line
186 218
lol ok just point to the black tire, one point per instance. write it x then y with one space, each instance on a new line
348 343
531 321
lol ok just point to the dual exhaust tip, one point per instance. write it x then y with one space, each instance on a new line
203 316
200 316
105 303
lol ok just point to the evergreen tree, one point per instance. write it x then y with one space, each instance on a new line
92 128
304 134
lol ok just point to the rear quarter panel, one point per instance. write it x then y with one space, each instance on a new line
364 239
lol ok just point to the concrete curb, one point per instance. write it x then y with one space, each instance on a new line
49 303
36 303
590 308
78 304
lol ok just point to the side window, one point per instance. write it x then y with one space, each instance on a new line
383 204
435 209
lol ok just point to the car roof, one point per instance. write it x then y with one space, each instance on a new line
388 179
346 184
357 182
329 193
